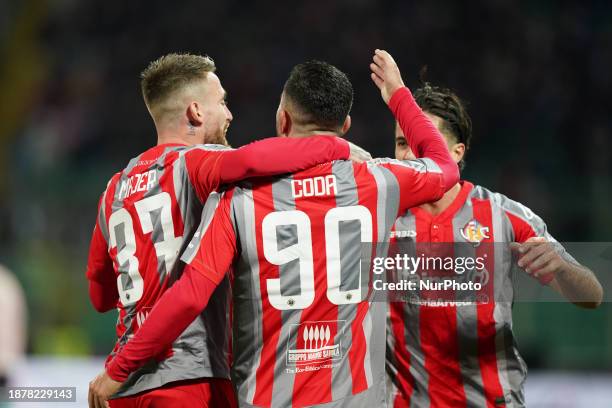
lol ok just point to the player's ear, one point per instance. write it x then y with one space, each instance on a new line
457 151
347 124
194 114
283 125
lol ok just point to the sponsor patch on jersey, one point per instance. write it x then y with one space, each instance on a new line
474 232
314 345
403 234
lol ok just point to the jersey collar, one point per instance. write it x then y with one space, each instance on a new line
451 210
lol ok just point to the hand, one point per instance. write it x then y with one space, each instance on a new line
385 74
358 154
538 257
100 389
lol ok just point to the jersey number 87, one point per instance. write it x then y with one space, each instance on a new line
167 247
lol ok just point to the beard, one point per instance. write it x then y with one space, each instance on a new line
219 137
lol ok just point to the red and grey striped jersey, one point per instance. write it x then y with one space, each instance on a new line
146 218
306 330
462 355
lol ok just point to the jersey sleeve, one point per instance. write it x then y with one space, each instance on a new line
202 165
526 224
172 314
420 181
267 157
422 136
100 273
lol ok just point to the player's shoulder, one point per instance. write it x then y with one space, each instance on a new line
203 148
507 205
112 181
419 165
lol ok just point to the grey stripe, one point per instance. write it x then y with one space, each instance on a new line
511 368
467 321
500 284
207 216
247 299
432 166
282 388
181 183
387 208
212 147
419 165
346 195
387 204
391 364
102 216
412 336
189 204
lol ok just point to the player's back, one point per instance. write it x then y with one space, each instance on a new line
148 214
306 330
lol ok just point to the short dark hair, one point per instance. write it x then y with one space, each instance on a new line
321 92
170 73
445 104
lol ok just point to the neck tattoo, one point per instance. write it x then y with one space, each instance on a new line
191 131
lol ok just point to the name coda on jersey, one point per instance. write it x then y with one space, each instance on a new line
314 187
137 183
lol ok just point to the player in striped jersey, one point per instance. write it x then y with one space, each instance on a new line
306 329
467 356
151 209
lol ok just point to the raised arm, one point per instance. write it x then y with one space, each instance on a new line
425 179
422 136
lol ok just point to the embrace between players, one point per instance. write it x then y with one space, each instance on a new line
237 272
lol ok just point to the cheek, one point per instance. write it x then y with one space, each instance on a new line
221 116
404 153
400 152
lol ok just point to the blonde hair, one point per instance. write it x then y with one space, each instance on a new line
170 74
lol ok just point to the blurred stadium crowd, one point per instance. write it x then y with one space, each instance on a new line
536 76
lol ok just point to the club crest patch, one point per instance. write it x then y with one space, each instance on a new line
474 232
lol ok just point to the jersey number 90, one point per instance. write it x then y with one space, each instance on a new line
301 251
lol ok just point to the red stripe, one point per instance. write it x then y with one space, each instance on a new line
403 379
315 387
487 356
367 197
271 317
